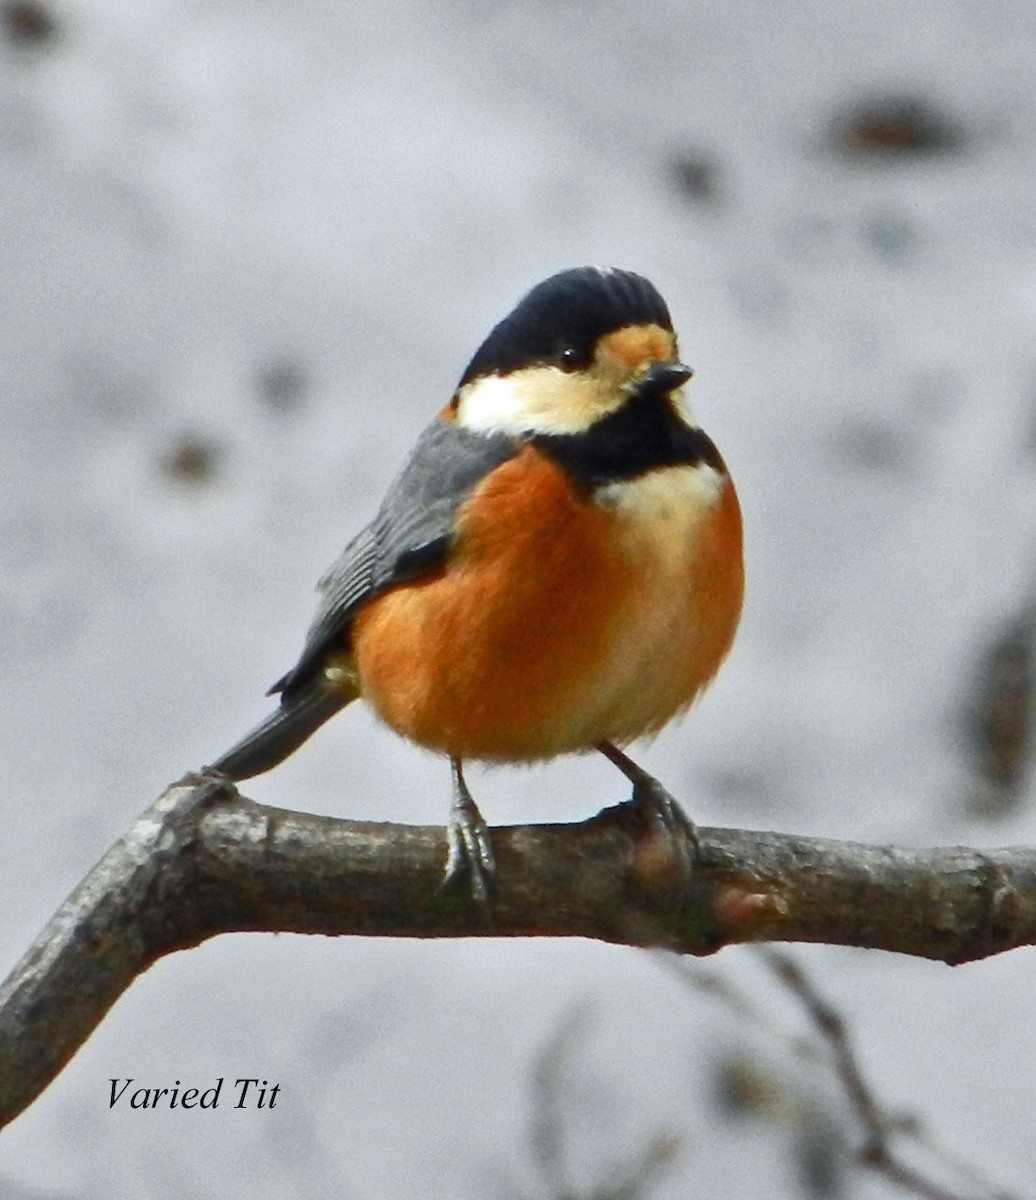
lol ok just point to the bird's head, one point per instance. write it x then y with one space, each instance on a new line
581 346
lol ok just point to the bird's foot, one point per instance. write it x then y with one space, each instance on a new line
469 857
657 815
663 812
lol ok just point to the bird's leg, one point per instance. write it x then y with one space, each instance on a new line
470 853
657 806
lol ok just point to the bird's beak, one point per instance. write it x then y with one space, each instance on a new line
663 377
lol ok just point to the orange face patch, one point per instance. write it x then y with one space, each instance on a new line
636 345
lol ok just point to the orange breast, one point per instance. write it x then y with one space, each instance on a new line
559 622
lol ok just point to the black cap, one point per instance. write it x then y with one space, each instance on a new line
570 312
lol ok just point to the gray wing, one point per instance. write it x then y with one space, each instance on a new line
410 535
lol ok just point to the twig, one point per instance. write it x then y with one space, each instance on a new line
881 1127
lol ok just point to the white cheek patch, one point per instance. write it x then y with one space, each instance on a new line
493 404
542 400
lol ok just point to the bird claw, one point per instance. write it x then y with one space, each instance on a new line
655 810
658 809
469 855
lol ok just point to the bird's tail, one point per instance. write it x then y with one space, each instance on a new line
297 717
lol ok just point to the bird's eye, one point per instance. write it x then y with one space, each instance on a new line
571 358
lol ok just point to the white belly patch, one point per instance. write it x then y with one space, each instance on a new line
664 507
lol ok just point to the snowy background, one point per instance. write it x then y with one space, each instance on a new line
246 250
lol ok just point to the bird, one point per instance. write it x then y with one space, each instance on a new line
556 569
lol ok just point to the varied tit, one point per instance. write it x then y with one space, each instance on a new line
556 569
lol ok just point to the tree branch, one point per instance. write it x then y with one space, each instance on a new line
204 860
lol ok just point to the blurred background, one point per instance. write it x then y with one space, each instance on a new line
247 249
